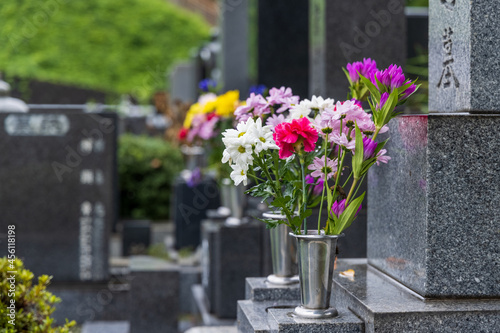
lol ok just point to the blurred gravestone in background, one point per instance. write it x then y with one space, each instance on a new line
58 189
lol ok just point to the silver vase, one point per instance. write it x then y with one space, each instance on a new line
233 197
316 253
283 253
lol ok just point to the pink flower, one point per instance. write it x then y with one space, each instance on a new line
256 105
293 135
381 157
207 129
343 141
275 120
282 97
320 169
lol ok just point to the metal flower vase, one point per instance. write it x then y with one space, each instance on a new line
283 253
316 255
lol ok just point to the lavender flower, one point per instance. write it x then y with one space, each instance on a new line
339 207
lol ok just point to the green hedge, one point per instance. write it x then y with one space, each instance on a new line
123 46
147 168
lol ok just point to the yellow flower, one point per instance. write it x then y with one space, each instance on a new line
195 109
210 106
227 103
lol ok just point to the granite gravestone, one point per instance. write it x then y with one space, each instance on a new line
184 82
58 182
235 53
441 236
282 45
345 31
463 63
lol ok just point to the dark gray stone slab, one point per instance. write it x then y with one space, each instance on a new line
235 52
106 327
201 301
463 68
282 321
188 277
388 306
189 207
238 256
136 236
252 316
258 289
58 189
209 229
347 31
282 45
184 83
433 218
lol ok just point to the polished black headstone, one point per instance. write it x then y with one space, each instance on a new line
58 189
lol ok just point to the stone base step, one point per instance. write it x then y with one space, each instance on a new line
387 306
258 289
275 317
201 301
213 329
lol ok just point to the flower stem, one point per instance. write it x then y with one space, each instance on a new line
377 129
351 191
304 199
325 184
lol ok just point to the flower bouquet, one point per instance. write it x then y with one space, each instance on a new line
292 149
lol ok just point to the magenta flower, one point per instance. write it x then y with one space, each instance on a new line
293 135
383 99
365 68
320 169
392 78
358 103
339 207
369 147
318 184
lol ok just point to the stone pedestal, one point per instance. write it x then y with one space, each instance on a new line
259 290
433 217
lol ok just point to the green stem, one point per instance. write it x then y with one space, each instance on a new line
351 191
359 185
348 178
325 184
377 129
304 203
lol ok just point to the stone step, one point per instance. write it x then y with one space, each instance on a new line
275 317
208 318
106 327
213 329
258 289
282 321
387 306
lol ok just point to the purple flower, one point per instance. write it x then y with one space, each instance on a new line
258 89
355 101
369 147
318 184
194 178
383 99
392 78
339 207
365 68
207 85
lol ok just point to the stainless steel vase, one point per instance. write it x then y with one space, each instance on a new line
283 252
316 254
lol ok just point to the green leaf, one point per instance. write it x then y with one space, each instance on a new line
347 75
348 216
357 159
373 89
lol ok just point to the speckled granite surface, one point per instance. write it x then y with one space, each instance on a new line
258 289
252 317
281 321
434 218
462 69
386 306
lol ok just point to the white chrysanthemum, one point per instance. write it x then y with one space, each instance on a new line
239 174
317 102
300 110
262 137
